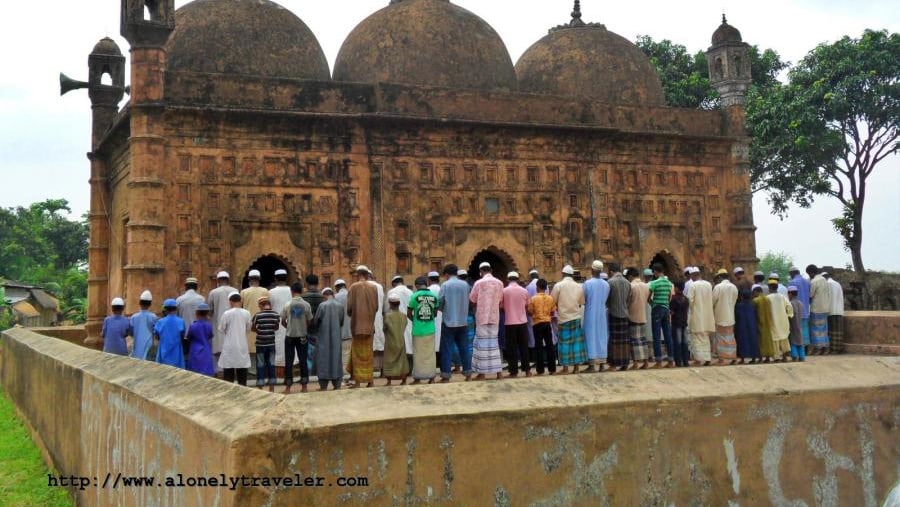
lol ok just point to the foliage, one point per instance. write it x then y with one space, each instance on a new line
825 131
42 246
23 474
776 262
6 318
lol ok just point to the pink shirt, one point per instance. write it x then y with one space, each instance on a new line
515 300
487 294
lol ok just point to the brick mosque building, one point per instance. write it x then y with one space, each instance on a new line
239 148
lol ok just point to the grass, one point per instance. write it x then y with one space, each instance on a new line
23 473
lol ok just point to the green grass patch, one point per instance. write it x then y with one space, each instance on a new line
23 473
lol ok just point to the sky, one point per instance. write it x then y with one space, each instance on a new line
44 138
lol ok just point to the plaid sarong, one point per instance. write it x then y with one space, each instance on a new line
619 342
804 328
836 333
572 349
640 347
726 345
818 330
699 345
486 357
361 358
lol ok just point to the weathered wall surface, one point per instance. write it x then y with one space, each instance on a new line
872 333
819 433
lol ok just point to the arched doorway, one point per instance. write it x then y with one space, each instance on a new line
267 265
501 263
669 264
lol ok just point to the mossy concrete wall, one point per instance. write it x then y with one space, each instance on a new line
820 433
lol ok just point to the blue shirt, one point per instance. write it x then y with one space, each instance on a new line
454 296
142 324
803 287
170 330
115 329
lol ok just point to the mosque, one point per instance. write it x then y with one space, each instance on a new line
239 148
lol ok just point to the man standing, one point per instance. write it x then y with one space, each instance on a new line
568 296
328 322
219 304
454 305
250 299
782 311
637 316
533 276
782 289
725 296
434 285
596 327
819 306
763 308
803 287
142 324
741 281
346 338
661 325
515 302
314 297
399 289
378 337
759 278
296 316
264 325
170 332
486 295
362 305
835 315
199 336
619 339
280 296
701 321
234 327
422 311
115 328
189 302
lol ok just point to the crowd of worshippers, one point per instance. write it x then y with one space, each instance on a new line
608 321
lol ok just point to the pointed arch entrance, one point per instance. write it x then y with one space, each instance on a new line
267 265
500 261
670 266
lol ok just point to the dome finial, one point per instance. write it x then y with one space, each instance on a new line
576 11
576 21
724 21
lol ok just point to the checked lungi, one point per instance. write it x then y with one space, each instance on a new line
804 328
572 348
836 333
619 341
361 360
726 345
818 330
640 346
699 345
486 357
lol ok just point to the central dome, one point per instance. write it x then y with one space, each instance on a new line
249 37
426 43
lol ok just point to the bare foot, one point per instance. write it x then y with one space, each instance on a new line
479 377
370 384
431 381
445 381
403 382
527 373
657 365
499 376
416 382
287 390
271 388
468 378
303 389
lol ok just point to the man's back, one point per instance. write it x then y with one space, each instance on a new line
454 295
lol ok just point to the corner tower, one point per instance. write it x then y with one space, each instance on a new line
729 65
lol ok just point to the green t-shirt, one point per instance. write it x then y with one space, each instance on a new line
424 305
661 290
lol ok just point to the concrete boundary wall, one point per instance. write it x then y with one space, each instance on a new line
820 433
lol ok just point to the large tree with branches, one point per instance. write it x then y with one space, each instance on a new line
826 130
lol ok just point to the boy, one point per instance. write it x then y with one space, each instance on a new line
115 328
296 317
199 336
170 330
798 350
540 309
234 326
265 324
746 330
142 324
422 310
678 308
396 366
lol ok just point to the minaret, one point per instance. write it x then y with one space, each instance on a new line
105 59
729 65
146 24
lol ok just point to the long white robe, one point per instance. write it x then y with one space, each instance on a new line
724 296
218 305
404 294
378 340
341 297
234 327
702 317
781 312
436 288
280 296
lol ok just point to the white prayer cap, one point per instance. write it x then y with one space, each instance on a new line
568 270
512 275
279 272
117 302
146 296
738 270
433 274
339 282
484 265
393 298
775 276
362 269
397 278
327 290
597 265
233 294
756 286
687 270
695 270
533 272
794 269
254 273
223 274
462 272
759 273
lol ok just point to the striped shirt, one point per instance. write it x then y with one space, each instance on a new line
661 291
266 323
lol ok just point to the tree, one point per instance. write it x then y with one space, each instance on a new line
776 262
828 128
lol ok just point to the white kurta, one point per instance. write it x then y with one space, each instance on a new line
436 288
837 297
378 340
404 294
218 305
724 296
280 296
341 297
702 318
234 327
781 312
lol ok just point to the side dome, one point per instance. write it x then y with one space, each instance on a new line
726 33
589 62
426 43
249 37
106 46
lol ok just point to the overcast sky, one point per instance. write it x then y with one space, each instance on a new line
44 138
